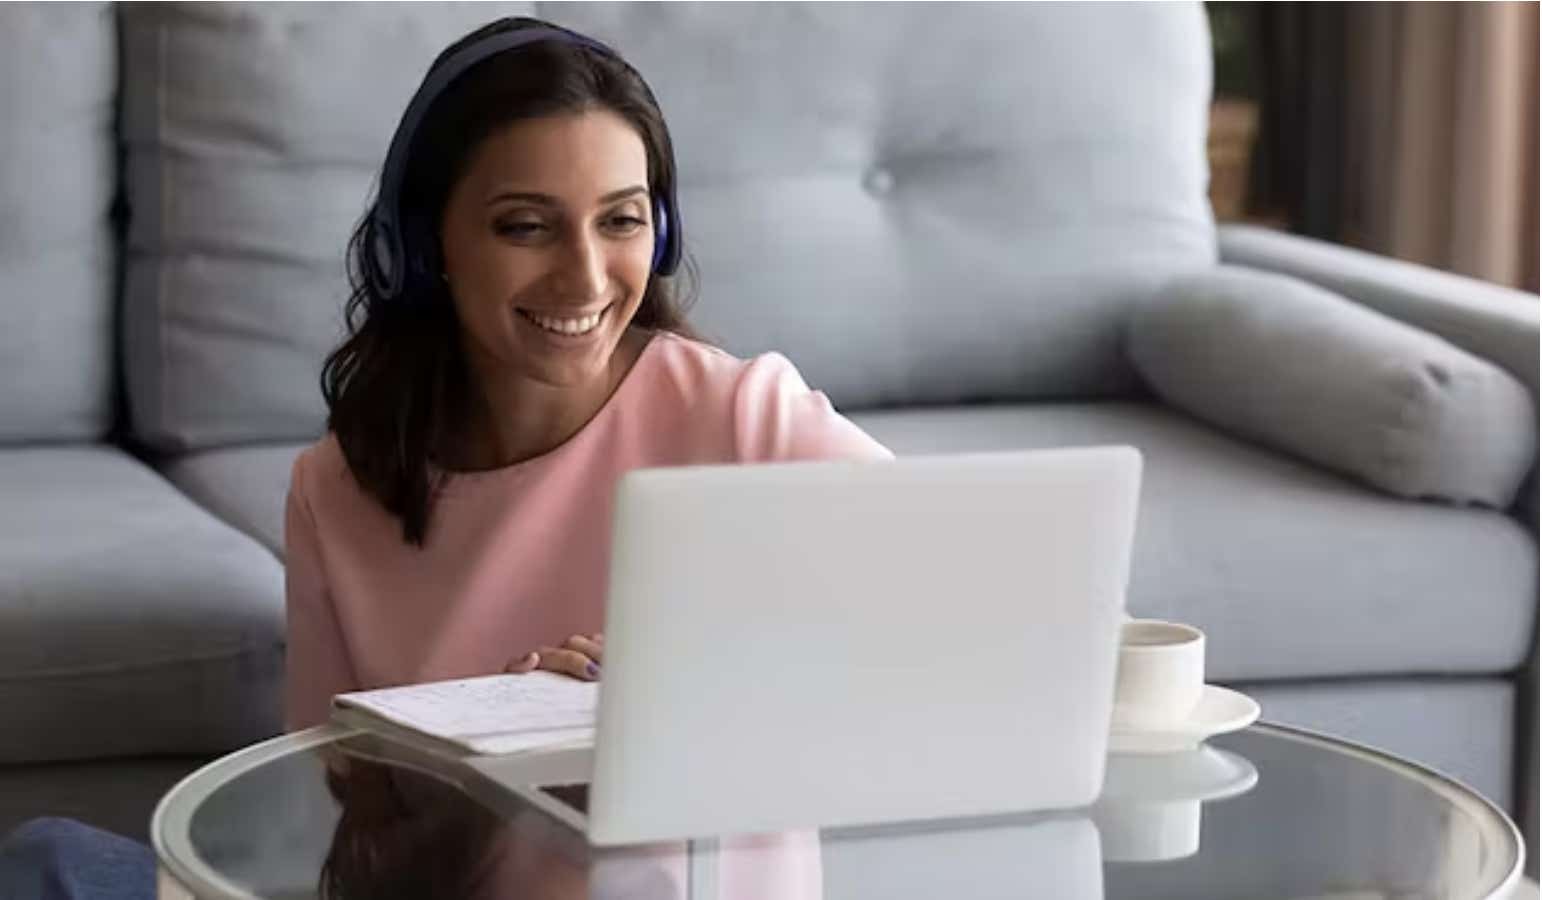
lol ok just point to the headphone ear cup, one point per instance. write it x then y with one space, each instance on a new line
660 237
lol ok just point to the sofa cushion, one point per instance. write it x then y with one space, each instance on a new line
1294 572
1305 371
131 621
58 76
118 795
907 231
904 230
253 135
245 486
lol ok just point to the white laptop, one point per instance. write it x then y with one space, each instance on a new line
821 644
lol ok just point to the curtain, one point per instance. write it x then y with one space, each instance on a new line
1440 135
1298 167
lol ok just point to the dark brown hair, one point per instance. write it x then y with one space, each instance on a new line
397 388
402 834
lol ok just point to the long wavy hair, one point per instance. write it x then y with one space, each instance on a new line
398 387
403 835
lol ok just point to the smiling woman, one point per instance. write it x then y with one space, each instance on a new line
516 345
529 197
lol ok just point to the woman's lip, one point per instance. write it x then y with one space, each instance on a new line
561 336
563 314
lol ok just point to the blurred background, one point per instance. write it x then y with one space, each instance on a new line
1408 129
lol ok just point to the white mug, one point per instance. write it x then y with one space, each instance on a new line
1161 673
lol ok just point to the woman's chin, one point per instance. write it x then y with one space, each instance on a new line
568 364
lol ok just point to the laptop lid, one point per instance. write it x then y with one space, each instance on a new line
838 643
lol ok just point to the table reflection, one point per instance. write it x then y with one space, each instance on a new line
413 832
1267 812
408 831
1150 809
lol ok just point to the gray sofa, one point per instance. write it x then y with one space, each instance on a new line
974 227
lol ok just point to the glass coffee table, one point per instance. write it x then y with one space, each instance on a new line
1266 812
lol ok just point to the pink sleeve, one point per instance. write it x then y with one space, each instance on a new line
778 418
316 662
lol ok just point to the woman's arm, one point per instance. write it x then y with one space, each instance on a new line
317 664
778 418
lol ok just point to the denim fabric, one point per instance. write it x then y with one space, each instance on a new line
60 859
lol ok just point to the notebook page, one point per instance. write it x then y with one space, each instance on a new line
510 712
501 744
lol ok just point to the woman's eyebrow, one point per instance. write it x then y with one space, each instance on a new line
549 200
622 194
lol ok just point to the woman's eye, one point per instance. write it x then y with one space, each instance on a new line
626 223
520 229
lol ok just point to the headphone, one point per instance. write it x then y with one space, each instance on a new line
391 269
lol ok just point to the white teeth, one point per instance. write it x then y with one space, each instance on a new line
566 326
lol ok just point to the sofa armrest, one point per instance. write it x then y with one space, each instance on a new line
1299 369
1497 323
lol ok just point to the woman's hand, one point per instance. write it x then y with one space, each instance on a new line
579 656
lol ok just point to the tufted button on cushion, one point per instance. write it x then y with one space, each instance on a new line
878 181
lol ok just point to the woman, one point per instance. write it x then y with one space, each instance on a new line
516 343
520 348
456 519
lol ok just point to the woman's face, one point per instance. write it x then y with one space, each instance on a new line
548 245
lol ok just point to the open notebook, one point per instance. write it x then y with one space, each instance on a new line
492 715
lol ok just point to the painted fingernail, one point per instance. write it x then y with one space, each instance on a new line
592 669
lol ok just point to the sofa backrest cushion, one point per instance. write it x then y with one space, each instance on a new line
916 204
58 77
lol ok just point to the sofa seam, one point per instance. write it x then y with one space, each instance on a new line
132 668
162 203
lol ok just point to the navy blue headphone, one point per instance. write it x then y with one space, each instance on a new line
391 269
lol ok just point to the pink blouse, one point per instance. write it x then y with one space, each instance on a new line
516 558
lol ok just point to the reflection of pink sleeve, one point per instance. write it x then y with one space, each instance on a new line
537 856
777 418
316 661
749 867
782 866
649 872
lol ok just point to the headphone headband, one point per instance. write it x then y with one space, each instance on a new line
389 268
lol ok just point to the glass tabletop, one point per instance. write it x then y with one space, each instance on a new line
1267 812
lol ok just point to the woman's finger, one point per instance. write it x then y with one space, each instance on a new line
587 646
569 662
524 664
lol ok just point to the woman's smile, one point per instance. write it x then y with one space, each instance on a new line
564 324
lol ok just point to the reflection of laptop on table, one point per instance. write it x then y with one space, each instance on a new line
817 644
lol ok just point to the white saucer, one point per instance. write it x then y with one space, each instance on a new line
1150 807
1201 774
1219 711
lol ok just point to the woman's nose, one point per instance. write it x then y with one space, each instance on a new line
581 269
